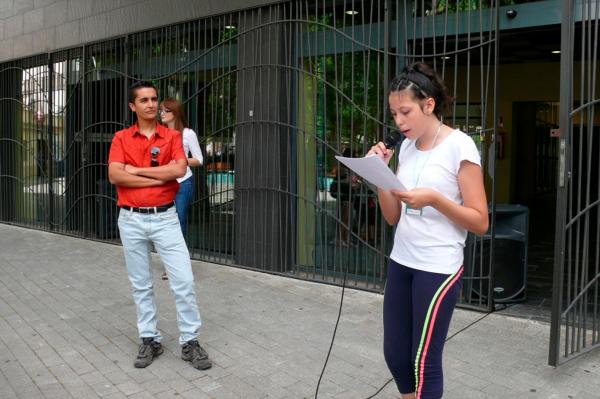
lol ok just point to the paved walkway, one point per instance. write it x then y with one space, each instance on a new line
67 330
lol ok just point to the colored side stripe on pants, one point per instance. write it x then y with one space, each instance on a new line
428 327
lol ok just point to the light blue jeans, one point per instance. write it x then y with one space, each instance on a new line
138 231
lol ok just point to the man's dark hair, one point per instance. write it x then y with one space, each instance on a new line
142 84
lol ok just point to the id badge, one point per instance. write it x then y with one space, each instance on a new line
414 211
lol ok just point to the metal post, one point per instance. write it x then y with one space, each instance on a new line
50 150
566 74
82 138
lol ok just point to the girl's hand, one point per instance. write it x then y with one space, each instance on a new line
382 152
417 198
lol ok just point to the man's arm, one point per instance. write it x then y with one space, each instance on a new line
168 172
119 176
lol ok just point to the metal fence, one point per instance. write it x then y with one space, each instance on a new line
273 94
576 295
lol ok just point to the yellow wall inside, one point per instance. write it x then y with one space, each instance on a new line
521 82
516 82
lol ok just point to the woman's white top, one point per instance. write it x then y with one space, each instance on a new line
190 145
430 241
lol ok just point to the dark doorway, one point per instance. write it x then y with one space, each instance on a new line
535 171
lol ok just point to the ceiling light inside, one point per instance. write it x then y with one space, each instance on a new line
351 12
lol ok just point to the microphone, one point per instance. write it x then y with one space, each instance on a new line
392 139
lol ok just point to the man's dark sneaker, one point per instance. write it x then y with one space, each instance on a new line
149 349
192 352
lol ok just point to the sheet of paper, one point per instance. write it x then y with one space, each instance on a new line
373 170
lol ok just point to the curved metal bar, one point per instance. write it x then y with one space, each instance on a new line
271 122
296 69
77 200
23 185
76 175
306 200
586 105
578 297
581 213
31 76
32 155
80 132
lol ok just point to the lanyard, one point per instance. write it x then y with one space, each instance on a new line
418 177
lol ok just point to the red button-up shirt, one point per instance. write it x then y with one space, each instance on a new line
131 147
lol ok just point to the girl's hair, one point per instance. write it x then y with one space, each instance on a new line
176 108
423 82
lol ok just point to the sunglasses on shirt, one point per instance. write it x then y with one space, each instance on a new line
154 151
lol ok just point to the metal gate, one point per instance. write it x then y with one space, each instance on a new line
576 296
273 93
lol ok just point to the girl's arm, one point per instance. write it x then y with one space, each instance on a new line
197 159
471 215
391 207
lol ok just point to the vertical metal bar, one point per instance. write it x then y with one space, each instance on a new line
496 94
594 67
387 10
50 150
81 167
577 310
127 60
587 96
566 68
267 115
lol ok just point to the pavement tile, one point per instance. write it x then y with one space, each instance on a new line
67 330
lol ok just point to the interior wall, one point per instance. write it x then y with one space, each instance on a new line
517 82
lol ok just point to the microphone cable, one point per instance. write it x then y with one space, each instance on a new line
390 141
447 339
391 379
337 322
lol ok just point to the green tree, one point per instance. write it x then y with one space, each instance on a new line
465 5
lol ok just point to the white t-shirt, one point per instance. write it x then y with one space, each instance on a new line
190 145
432 242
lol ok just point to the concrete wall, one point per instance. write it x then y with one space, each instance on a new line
29 27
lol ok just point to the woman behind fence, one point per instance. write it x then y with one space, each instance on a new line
172 115
440 167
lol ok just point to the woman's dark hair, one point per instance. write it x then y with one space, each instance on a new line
176 108
423 82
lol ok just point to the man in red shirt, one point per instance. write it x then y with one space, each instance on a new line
144 162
